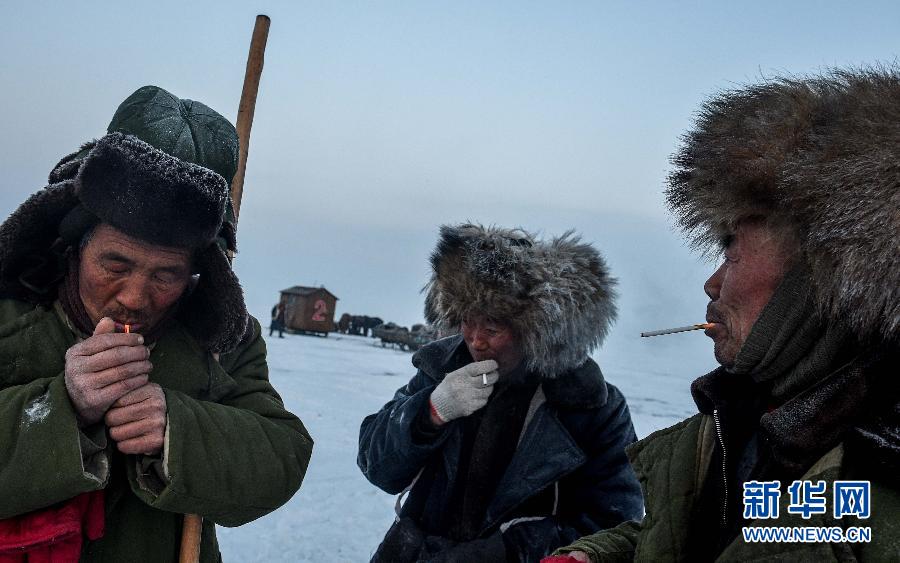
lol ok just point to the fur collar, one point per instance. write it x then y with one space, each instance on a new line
857 403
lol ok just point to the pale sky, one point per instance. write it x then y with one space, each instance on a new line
378 121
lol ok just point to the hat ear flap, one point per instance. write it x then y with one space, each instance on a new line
26 237
67 167
215 312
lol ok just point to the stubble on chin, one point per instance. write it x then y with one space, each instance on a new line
725 353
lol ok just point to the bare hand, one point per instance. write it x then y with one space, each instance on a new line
580 556
137 421
103 368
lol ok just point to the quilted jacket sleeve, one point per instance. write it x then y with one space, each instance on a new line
391 452
609 546
44 457
235 458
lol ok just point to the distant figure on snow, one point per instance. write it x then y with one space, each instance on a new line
277 322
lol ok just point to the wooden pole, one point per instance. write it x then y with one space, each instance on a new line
190 539
192 526
248 105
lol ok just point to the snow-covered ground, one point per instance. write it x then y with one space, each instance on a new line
331 384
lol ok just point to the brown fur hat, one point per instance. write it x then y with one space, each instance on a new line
821 155
557 295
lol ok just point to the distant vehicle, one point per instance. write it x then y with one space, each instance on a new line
392 334
403 338
419 336
361 325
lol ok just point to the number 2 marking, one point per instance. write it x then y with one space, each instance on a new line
321 309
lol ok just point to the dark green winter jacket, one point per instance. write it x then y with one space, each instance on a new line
232 454
672 466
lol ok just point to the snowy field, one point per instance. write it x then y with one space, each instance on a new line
331 384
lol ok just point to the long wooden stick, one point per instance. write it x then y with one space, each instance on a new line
190 538
192 526
248 105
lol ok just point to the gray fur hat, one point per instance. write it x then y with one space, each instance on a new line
557 295
820 155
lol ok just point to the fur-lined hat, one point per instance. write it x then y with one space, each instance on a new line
557 295
819 154
145 193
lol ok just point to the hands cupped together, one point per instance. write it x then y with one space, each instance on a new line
107 378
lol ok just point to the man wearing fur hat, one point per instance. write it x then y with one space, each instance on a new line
798 182
508 438
133 386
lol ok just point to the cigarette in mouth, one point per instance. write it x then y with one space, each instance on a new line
674 330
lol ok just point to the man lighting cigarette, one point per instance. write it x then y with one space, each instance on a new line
134 384
795 181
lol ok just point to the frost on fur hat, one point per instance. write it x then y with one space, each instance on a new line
557 295
821 154
150 195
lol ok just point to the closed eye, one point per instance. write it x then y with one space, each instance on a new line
164 277
116 268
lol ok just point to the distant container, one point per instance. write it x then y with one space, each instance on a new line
308 309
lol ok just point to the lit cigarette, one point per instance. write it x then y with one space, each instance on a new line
674 330
127 329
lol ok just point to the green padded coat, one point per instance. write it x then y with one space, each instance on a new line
672 465
233 453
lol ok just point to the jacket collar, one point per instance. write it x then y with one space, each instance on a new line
528 473
856 403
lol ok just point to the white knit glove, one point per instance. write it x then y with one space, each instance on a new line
465 390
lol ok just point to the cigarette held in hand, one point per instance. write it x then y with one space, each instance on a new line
127 329
679 329
484 379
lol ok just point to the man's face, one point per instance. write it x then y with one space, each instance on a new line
491 340
130 281
754 265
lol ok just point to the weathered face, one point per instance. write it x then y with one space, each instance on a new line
754 265
491 340
130 281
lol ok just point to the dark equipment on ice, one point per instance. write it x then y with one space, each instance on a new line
404 338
